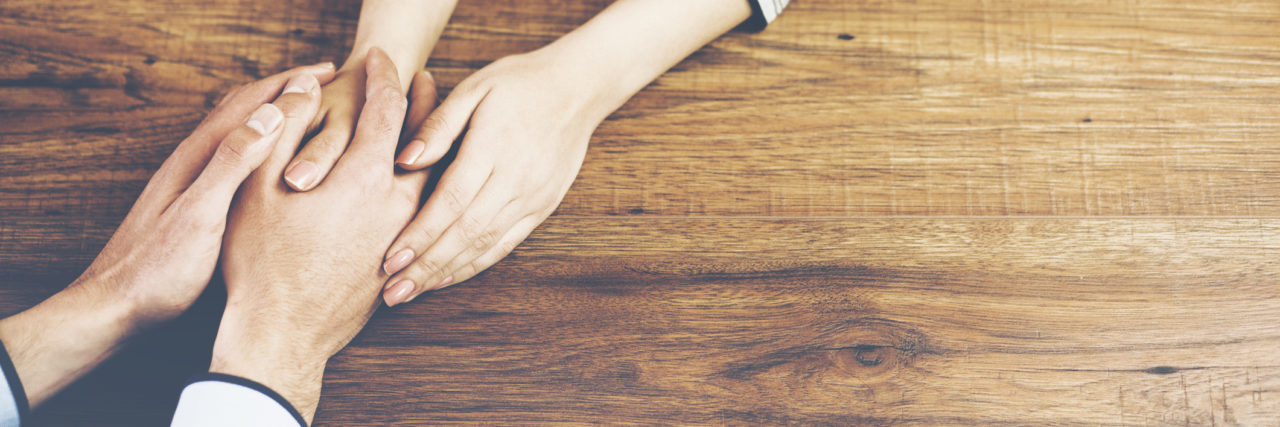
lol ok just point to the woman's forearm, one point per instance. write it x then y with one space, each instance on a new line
632 42
406 29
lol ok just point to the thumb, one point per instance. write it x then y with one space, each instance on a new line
239 154
440 129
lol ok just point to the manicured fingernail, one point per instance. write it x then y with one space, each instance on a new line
411 152
300 84
325 64
446 282
265 119
301 175
397 261
399 293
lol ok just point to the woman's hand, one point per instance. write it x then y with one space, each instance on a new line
404 30
340 105
526 131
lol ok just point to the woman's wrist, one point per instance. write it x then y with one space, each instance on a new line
407 30
616 53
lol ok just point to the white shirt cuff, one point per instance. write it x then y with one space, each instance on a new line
13 399
765 11
225 400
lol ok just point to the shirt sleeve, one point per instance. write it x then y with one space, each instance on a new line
13 399
765 11
225 400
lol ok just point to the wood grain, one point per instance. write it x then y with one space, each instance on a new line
911 212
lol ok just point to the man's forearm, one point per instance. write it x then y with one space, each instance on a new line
58 341
620 52
406 29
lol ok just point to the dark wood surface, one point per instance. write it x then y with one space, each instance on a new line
874 212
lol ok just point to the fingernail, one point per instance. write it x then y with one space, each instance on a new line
411 152
265 119
301 175
443 283
397 261
325 64
399 293
300 84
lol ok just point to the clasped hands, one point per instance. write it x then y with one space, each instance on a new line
304 270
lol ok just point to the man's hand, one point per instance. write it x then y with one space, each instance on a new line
163 254
302 268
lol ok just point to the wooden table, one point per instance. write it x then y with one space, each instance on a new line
874 212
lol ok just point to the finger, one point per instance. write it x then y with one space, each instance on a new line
272 128
518 232
320 153
190 157
405 292
456 190
471 234
423 99
243 100
378 130
440 129
460 246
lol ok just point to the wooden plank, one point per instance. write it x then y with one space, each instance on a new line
811 321
932 108
790 227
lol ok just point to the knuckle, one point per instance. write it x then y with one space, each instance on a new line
231 151
382 125
435 123
235 91
388 98
453 199
385 127
294 106
469 227
429 266
475 267
507 247
368 175
485 239
468 271
426 235
391 96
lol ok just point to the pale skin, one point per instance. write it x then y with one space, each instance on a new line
302 267
276 250
407 30
163 254
523 124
